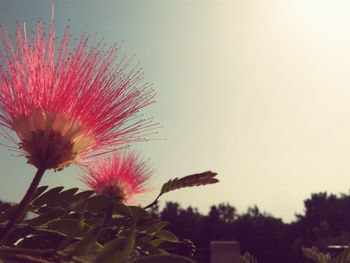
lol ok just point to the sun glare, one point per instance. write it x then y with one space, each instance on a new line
324 17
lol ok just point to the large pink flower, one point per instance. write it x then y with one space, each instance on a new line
67 103
122 176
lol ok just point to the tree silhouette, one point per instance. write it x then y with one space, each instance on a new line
325 221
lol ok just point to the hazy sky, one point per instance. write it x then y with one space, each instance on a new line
258 91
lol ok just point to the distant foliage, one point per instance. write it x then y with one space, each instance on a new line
325 222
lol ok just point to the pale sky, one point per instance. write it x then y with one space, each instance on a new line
258 91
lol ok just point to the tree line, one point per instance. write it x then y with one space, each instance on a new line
325 222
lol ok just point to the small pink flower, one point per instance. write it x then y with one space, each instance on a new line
122 176
68 103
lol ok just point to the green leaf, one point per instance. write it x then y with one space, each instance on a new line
123 210
116 251
89 240
45 218
147 224
78 201
45 240
47 196
39 191
163 252
62 197
163 259
152 225
43 210
167 236
190 180
145 238
73 215
68 227
98 203
142 213
156 242
146 248
93 220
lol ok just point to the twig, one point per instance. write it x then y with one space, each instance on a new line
154 203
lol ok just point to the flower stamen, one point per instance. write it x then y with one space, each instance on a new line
53 141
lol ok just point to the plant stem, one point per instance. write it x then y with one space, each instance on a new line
155 202
23 205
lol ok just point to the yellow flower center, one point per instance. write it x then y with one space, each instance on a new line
51 141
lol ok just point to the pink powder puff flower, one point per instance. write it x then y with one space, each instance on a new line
122 176
69 104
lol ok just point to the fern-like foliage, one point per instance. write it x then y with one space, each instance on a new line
204 178
344 257
247 258
66 225
190 180
316 255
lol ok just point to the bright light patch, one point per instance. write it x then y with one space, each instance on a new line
324 17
